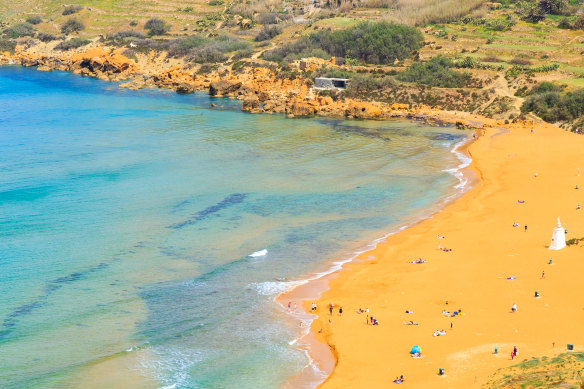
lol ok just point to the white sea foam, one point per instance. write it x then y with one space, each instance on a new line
260 253
273 288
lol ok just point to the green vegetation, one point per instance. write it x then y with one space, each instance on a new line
7 45
72 25
436 72
375 43
37 19
71 9
20 30
156 26
555 107
562 371
268 32
46 37
74 43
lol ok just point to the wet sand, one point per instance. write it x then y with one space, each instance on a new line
486 249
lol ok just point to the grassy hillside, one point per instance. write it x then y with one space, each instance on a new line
498 53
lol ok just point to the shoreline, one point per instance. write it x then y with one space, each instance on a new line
323 358
471 277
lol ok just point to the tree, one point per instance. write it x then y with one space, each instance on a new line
156 26
72 25
552 7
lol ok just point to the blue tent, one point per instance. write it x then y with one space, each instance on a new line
415 349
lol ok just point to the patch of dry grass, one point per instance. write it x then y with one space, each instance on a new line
421 12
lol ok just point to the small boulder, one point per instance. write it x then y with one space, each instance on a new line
223 87
250 103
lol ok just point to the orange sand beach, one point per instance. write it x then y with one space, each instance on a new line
526 177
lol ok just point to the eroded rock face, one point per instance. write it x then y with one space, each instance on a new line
363 110
299 108
97 60
223 87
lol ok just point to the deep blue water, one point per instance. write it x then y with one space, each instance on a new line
127 219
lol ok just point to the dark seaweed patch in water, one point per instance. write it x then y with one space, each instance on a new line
232 199
9 322
442 136
25 194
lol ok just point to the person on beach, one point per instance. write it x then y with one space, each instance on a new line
340 311
514 308
367 321
294 307
543 274
289 304
515 350
331 309
526 228
512 355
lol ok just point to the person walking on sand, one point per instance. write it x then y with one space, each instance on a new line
515 350
289 304
543 274
512 355
331 309
526 228
340 311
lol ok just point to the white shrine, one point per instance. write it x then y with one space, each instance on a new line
558 238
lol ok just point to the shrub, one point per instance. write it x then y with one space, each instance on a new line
72 9
207 54
156 26
216 2
376 43
533 14
553 106
245 53
7 45
579 23
126 34
34 20
565 24
72 44
72 25
553 7
20 30
267 33
520 61
268 18
46 37
133 23
196 46
436 72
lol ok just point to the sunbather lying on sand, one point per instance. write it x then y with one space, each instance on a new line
411 323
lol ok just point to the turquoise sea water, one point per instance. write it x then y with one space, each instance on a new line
127 220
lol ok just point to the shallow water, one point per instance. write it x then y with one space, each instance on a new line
127 220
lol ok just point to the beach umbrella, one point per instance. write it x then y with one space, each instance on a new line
415 349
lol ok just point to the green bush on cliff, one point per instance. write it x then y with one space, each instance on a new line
74 43
555 107
72 25
200 49
435 72
375 43
268 32
7 45
20 30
